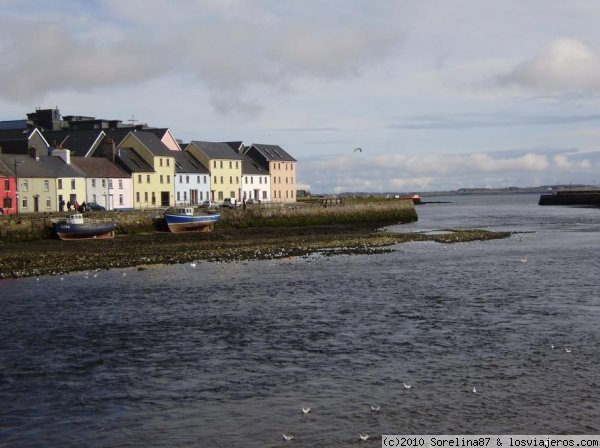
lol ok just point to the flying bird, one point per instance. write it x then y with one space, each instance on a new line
364 437
375 408
305 410
357 149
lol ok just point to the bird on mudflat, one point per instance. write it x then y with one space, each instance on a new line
364 437
524 260
406 386
567 350
375 408
474 390
305 410
287 437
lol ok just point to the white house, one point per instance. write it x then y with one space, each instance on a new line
192 180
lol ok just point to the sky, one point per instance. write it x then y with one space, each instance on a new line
437 94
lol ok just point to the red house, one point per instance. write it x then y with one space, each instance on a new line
8 190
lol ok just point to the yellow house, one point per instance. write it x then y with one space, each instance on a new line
152 166
282 170
43 181
225 166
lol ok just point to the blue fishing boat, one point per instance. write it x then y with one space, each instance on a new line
188 219
76 227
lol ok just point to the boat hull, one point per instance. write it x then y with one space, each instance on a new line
69 231
188 224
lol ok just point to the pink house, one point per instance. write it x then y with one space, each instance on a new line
8 188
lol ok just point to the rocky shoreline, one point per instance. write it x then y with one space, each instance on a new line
226 244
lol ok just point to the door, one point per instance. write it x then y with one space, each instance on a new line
36 203
165 198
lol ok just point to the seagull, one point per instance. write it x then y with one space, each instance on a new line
193 265
407 386
551 345
364 437
524 260
474 390
567 350
124 274
375 408
357 149
287 437
305 410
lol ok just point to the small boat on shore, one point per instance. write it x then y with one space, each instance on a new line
76 227
188 219
415 198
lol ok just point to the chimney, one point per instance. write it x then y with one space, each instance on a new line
108 149
64 154
34 153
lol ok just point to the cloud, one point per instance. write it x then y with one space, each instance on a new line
564 65
424 172
211 46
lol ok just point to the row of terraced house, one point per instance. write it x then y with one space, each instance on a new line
48 160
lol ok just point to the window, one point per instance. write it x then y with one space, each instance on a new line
60 184
292 180
178 196
264 195
197 179
153 198
168 178
93 183
46 185
147 178
252 180
187 179
237 179
94 198
260 180
221 163
185 196
7 203
24 185
110 183
121 199
215 164
286 180
232 194
221 179
168 162
24 203
48 202
137 196
160 162
6 185
230 164
72 184
236 165
204 179
103 183
161 179
139 179
146 197
180 179
220 195
201 196
120 184
230 179
215 180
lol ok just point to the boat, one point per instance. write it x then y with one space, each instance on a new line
415 198
76 227
189 219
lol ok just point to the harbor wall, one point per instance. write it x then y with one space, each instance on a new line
28 227
589 198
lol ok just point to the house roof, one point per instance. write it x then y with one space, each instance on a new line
98 167
46 166
5 170
252 167
187 163
80 142
217 150
132 162
272 153
16 141
13 124
153 144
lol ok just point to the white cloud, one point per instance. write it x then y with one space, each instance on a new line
564 65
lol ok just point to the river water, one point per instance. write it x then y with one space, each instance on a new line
226 355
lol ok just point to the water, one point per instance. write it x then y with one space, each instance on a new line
226 355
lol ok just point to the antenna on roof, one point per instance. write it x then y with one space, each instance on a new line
132 120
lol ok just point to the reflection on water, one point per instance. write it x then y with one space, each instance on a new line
227 354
